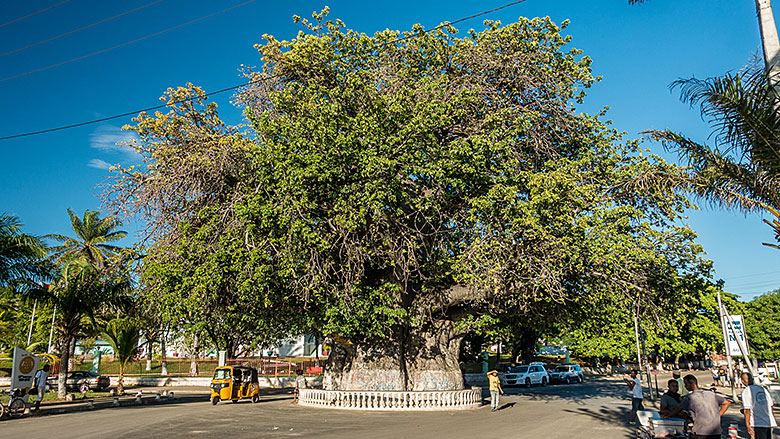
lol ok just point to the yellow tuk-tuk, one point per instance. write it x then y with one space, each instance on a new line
234 383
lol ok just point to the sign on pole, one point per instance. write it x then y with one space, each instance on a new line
738 327
23 372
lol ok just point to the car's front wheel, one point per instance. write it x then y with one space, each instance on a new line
528 382
544 381
214 400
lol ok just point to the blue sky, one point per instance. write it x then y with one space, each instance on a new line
637 49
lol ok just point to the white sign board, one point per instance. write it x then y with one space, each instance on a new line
739 328
23 372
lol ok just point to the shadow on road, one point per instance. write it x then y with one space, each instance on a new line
589 390
617 416
148 401
612 416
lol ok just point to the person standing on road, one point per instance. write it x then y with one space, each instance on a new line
704 407
715 376
757 408
40 384
300 383
495 389
636 394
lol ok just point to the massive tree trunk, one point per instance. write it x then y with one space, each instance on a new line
414 360
62 389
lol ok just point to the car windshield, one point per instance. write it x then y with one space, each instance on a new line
522 369
562 369
221 374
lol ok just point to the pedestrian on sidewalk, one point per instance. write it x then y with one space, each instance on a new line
757 407
704 407
40 384
495 389
635 385
715 376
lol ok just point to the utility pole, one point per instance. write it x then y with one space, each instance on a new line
32 320
644 357
726 347
51 330
638 349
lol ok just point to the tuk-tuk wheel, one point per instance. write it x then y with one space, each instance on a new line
256 398
214 400
235 401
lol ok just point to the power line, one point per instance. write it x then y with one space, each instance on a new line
79 29
127 43
157 107
34 13
751 275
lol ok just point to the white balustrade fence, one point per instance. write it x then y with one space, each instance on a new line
392 400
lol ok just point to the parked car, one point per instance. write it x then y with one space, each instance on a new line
79 378
566 373
526 375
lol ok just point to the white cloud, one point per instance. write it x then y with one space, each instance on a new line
108 138
99 164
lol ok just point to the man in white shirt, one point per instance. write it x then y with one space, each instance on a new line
40 383
757 408
636 394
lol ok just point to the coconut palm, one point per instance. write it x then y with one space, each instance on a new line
82 291
93 236
19 253
123 336
742 169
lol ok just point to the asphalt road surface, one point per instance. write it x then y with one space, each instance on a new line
592 409
560 411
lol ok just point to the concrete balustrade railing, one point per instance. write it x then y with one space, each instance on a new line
392 400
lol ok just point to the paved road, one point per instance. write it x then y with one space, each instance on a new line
592 409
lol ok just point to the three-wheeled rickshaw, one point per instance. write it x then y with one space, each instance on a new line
235 383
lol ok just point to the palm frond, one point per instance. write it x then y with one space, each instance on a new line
740 108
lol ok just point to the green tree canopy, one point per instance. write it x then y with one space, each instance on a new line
401 189
762 322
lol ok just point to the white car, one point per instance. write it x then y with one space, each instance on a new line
566 373
526 375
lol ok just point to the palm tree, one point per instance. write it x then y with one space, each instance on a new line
93 235
82 291
123 336
20 254
742 169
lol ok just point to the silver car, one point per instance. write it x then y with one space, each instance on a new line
566 373
526 375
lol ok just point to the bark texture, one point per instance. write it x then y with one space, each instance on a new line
62 389
412 360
